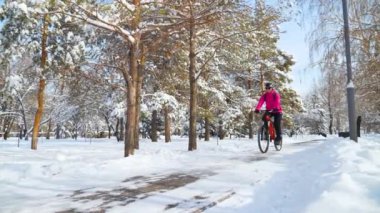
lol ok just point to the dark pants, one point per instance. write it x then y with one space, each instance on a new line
277 124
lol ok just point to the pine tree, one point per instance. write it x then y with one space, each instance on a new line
30 27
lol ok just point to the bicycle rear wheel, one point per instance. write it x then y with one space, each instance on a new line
263 139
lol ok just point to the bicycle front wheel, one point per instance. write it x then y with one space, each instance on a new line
263 139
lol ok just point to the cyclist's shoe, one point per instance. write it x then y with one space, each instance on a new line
277 141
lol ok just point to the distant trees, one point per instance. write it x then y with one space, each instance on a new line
17 95
327 38
32 28
117 66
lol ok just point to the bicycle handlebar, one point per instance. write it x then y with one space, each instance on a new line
264 110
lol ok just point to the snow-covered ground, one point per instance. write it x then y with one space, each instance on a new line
310 174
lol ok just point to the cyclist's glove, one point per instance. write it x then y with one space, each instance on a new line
257 111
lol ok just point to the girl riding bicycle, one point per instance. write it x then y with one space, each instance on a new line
272 100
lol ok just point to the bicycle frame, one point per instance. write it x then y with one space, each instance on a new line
271 129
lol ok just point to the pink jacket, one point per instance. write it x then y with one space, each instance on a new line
272 100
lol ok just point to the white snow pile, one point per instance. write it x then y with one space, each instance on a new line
310 174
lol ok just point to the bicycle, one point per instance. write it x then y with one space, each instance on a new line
267 133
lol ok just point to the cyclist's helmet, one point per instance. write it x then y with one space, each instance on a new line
268 85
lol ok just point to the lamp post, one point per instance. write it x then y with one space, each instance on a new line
350 84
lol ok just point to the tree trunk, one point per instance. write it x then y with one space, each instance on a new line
131 101
117 133
331 123
250 123
8 128
250 115
167 124
220 130
131 78
153 126
207 129
42 84
76 131
137 129
131 123
262 80
329 99
338 123
48 131
138 96
121 129
24 131
6 135
26 136
108 122
193 88
5 122
20 133
38 116
57 132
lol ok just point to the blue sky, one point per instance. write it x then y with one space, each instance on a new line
293 41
